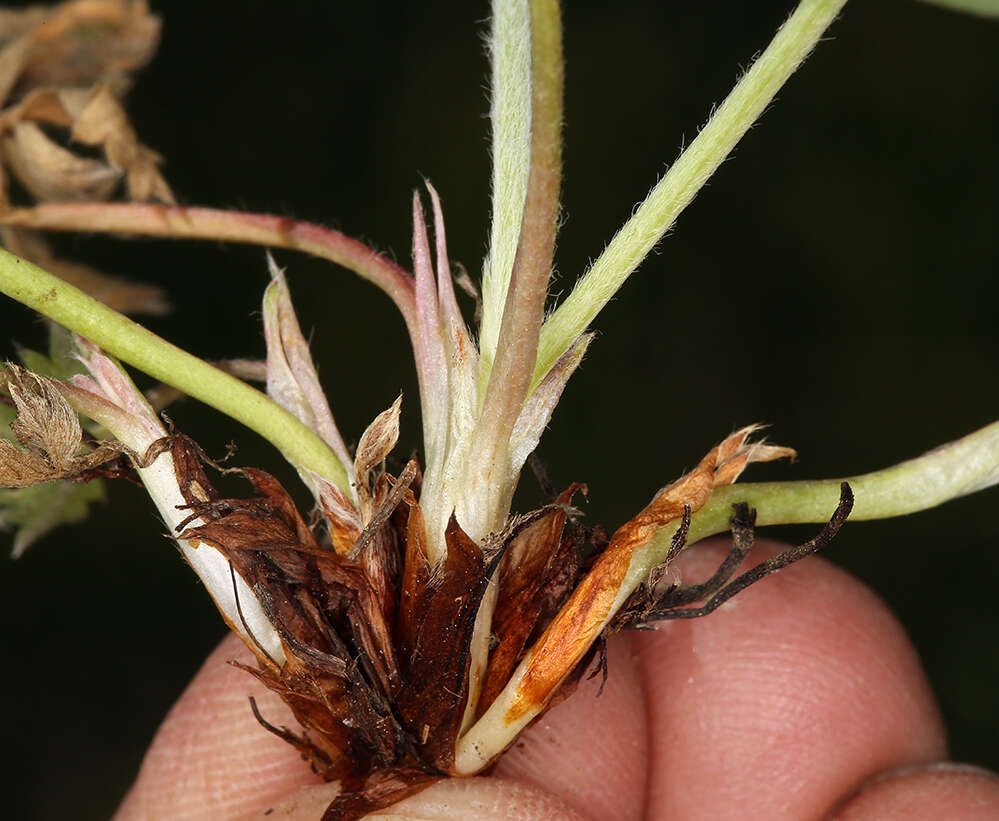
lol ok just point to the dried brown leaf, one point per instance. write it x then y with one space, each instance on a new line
376 443
50 433
13 58
381 790
431 704
415 578
538 571
86 41
583 617
649 604
103 122
50 172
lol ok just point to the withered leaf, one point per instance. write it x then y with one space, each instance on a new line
647 606
80 42
340 666
50 433
587 610
103 122
68 68
50 172
376 443
537 573
415 578
431 704
14 56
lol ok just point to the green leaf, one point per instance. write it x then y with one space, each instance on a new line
983 8
34 511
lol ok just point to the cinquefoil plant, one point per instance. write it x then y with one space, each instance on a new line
398 542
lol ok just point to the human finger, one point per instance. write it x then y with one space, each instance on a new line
925 793
210 759
782 701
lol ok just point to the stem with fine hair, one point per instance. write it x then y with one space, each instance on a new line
956 469
523 311
492 476
654 217
137 346
510 117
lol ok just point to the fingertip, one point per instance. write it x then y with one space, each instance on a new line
784 699
953 791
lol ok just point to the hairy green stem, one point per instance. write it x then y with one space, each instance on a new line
524 307
956 469
510 117
137 346
523 310
654 217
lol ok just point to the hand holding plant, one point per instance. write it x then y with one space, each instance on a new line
703 719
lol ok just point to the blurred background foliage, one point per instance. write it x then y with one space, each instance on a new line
835 279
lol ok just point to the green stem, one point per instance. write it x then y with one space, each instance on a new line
685 178
510 116
524 307
137 346
948 472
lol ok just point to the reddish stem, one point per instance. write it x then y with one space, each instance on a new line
179 222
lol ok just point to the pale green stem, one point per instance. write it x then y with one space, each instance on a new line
133 344
489 462
523 313
689 173
510 116
952 470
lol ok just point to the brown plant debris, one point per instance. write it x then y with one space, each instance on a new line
376 640
582 619
63 72
49 432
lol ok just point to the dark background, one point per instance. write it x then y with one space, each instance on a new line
835 279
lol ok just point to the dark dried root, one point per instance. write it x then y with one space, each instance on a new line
672 604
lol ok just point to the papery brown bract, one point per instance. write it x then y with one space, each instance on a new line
50 434
443 612
377 645
540 568
376 670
